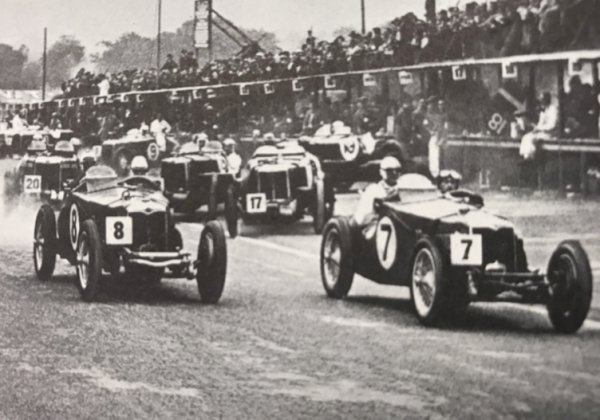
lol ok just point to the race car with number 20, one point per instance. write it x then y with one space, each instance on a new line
450 252
104 225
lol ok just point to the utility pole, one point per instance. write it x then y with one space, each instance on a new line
158 44
44 65
362 11
210 31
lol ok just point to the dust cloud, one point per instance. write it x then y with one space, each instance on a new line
17 219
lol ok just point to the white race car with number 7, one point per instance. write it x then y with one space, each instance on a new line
451 252
105 225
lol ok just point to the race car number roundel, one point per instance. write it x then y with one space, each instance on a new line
74 225
153 152
349 148
386 242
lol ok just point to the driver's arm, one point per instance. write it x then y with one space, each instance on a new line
364 210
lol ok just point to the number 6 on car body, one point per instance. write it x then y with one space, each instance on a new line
32 184
119 231
387 242
256 203
466 250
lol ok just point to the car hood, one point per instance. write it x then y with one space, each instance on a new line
449 212
133 201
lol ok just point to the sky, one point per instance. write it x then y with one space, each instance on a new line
92 21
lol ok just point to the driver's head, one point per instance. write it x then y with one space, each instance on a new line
229 146
139 165
88 159
390 170
448 180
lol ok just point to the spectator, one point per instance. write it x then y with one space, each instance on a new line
170 65
55 123
103 86
546 128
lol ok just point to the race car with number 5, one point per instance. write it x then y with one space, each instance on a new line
105 224
449 251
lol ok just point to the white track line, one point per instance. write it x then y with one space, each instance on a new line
281 248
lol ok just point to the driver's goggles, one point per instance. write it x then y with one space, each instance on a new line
394 171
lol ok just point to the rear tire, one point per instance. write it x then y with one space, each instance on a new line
427 283
212 258
337 268
571 283
44 248
89 261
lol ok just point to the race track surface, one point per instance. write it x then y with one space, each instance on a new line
276 348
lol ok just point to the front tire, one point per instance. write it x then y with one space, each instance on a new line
571 285
89 261
212 268
319 216
427 283
231 213
176 244
337 269
44 248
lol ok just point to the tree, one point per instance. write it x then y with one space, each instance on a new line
63 56
133 51
344 31
11 64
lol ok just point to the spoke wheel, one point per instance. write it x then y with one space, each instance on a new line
89 261
570 282
44 246
337 269
428 270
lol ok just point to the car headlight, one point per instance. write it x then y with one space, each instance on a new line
53 195
61 195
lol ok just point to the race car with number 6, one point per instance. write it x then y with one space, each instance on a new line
105 224
450 252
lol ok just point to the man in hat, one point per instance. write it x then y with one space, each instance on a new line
546 128
159 129
55 123
170 65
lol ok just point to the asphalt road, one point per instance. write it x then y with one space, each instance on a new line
276 348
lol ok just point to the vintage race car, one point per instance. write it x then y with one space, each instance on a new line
449 251
105 224
349 158
119 153
14 142
42 175
197 184
283 184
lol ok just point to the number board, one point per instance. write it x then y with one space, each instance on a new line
387 242
74 226
466 249
119 230
32 184
349 148
256 203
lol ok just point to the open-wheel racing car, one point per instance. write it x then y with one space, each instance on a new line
283 184
105 224
349 157
450 252
197 183
42 175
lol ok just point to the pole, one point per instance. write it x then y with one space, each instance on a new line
44 65
210 30
158 44
362 10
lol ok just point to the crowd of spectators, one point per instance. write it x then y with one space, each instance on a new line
497 28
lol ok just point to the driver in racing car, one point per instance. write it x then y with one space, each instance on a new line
234 161
448 180
390 170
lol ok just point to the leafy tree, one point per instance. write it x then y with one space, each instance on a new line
63 56
11 66
344 31
133 51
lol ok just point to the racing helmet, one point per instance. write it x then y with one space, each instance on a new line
229 144
36 146
201 140
448 180
75 142
389 168
139 165
270 139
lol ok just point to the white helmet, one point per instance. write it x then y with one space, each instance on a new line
139 165
229 142
390 162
